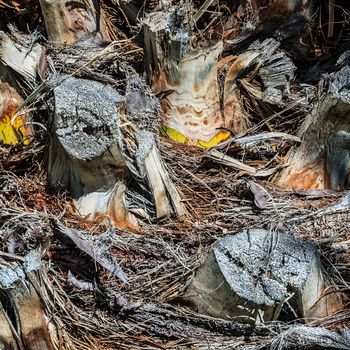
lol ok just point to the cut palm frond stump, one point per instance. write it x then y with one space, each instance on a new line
187 79
102 126
24 322
322 158
69 21
18 55
252 276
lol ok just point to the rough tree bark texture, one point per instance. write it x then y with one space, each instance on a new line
85 156
18 52
88 155
7 341
251 276
322 159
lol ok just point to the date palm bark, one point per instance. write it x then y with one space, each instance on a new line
322 158
183 69
185 79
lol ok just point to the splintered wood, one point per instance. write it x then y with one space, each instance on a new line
186 79
17 52
227 259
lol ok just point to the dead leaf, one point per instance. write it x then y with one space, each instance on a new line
261 196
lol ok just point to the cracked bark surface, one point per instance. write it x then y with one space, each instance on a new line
252 276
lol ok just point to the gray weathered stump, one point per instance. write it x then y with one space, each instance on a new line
96 150
249 277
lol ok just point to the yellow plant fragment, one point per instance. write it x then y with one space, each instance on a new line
221 136
17 131
13 134
180 138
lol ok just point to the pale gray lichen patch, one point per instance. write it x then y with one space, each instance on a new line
32 261
9 275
